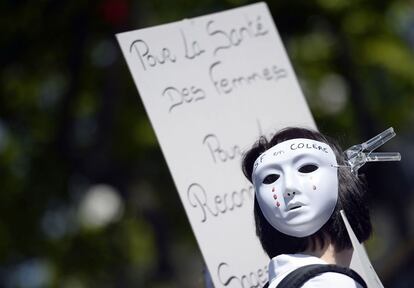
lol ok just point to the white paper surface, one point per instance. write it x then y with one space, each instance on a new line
360 261
211 85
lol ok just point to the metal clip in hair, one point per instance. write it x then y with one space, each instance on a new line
359 154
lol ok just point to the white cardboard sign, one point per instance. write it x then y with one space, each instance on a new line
360 261
211 86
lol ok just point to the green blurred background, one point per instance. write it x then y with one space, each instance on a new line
86 198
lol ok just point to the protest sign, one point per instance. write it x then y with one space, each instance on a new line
211 86
360 261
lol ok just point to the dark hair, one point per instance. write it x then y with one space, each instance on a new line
351 199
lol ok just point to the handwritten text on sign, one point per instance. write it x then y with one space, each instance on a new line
151 58
211 86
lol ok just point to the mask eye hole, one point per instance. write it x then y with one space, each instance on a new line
271 178
308 168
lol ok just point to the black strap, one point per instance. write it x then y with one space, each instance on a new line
300 276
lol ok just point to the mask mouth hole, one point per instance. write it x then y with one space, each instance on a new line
295 207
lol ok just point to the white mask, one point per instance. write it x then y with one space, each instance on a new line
296 185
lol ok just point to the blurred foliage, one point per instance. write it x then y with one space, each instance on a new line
70 119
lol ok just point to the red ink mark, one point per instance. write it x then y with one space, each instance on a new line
274 196
277 204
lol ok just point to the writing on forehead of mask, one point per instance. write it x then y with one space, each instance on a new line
301 145
278 152
260 161
274 154
261 157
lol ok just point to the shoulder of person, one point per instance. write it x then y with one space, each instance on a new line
331 279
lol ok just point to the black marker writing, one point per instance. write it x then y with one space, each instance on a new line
227 85
178 97
198 199
295 146
278 152
191 50
217 152
253 279
261 157
237 35
148 59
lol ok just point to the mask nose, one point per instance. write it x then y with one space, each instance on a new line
291 185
